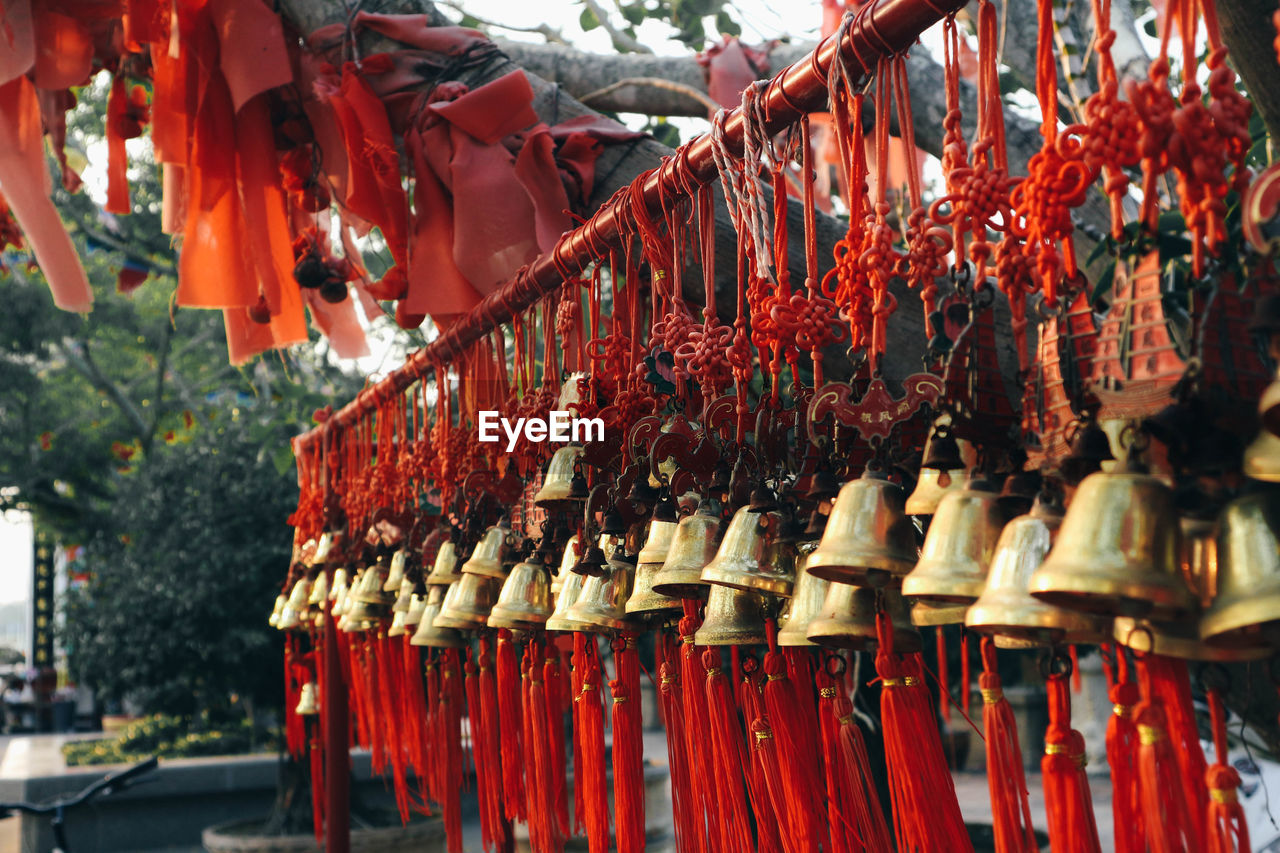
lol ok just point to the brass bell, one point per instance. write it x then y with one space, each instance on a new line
942 450
1198 557
805 602
644 601
1180 638
733 617
324 547
340 593
926 614
307 704
1090 447
1019 492
278 608
565 598
445 569
692 547
1269 406
751 555
397 628
1117 550
396 575
525 600
958 548
557 486
319 591
369 587
339 585
486 558
1006 610
848 619
468 602
1246 609
566 565
362 615
417 604
602 603
300 595
869 538
431 634
1262 458
931 486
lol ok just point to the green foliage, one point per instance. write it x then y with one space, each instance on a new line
171 737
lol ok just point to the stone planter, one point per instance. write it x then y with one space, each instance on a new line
241 836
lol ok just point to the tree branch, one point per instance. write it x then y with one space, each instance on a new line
551 34
656 83
621 40
1249 34
79 355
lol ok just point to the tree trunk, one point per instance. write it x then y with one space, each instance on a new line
1250 35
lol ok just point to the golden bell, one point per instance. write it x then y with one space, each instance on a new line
445 569
468 602
1246 608
307 704
525 600
751 556
733 617
1198 558
957 549
431 634
276 610
567 563
1262 457
869 538
1006 610
657 545
324 547
341 593
805 603
319 590
566 597
557 486
848 619
1117 550
396 575
486 557
339 583
931 485
369 587
397 628
1180 638
299 595
401 604
693 546
362 615
417 604
602 603
925 614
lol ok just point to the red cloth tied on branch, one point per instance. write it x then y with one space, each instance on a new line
731 66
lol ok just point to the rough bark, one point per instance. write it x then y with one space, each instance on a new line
1249 34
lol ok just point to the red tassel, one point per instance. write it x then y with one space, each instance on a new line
413 712
538 818
751 701
578 669
1168 826
684 803
484 739
1228 832
595 794
1066 788
1172 686
294 735
317 781
628 748
510 724
389 669
966 684
1122 757
853 805
553 676
435 774
450 727
1077 684
1011 813
926 815
693 680
944 700
734 828
796 756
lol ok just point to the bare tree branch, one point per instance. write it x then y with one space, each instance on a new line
550 33
656 83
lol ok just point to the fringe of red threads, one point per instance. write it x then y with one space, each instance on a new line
1122 757
538 818
577 669
801 780
414 714
350 682
450 738
1066 788
509 721
751 701
1011 813
926 815
800 670
1165 819
484 746
435 773
944 699
734 828
490 732
295 737
390 670
317 779
628 748
683 798
966 674
1228 832
553 677
1172 685
371 706
595 792
693 680
853 805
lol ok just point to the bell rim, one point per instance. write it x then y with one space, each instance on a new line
461 621
485 570
846 572
795 638
1124 633
434 579
739 638
1082 586
943 590
652 602
1222 626
1003 641
924 615
561 623
434 642
685 583
749 581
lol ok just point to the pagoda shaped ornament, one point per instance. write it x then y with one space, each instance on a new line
1058 392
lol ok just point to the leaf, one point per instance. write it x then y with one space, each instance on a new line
634 13
727 25
666 133
588 20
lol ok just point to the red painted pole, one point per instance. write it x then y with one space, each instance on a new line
337 775
888 27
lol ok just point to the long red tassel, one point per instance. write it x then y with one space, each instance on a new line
450 722
373 705
1011 813
966 675
484 748
553 676
578 668
734 827
1228 832
1172 686
595 793
316 750
926 815
944 678
628 748
415 719
1122 758
1165 819
853 805
294 733
751 701
1066 788
693 680
538 818
509 719
435 774
683 799
798 759
389 690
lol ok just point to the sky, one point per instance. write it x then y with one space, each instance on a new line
16 552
